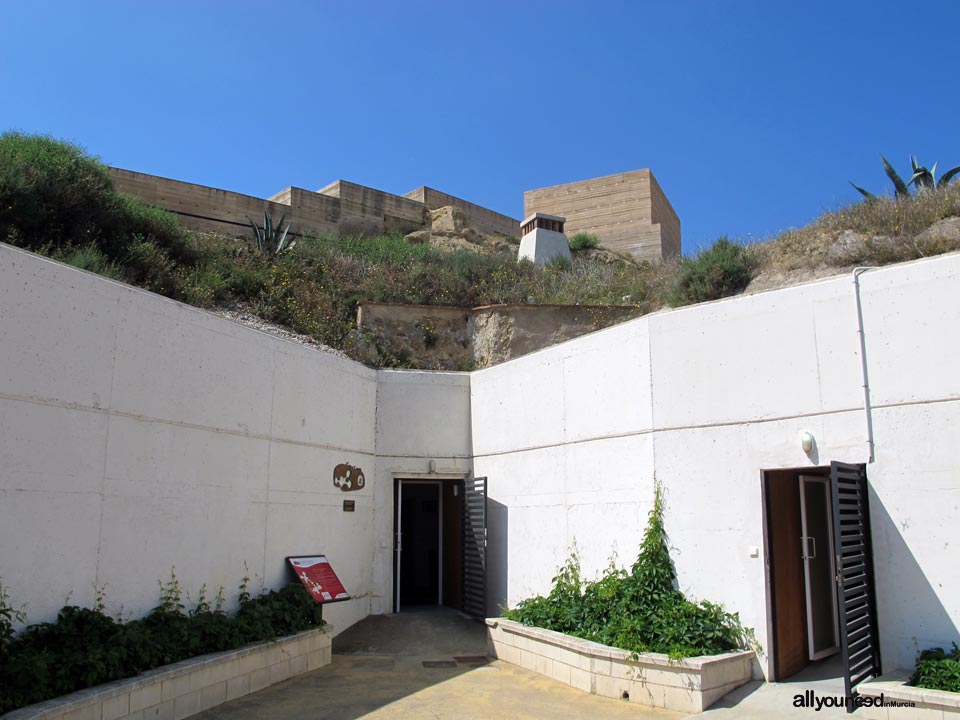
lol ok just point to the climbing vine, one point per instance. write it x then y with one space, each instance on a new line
641 610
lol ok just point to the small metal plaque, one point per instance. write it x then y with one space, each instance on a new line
349 505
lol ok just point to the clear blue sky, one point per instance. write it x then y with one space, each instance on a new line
752 115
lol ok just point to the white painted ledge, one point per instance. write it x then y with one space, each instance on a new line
688 685
191 686
928 704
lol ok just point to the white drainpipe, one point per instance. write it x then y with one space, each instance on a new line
863 357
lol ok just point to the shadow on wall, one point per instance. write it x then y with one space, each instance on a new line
497 562
911 614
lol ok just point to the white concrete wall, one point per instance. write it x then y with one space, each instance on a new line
421 416
704 399
137 433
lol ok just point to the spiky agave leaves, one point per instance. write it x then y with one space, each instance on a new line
922 178
269 239
927 179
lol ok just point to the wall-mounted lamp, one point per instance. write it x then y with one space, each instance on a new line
433 466
806 442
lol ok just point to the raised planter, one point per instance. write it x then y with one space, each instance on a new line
176 691
897 696
690 685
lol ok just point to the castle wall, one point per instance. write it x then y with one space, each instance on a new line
628 212
478 217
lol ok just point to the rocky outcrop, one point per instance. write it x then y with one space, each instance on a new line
451 338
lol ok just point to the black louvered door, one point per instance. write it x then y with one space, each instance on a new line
856 597
475 547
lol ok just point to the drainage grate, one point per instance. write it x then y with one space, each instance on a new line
470 659
439 664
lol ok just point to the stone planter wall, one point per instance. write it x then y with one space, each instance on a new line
690 685
927 704
186 688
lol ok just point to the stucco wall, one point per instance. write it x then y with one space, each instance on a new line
137 433
704 399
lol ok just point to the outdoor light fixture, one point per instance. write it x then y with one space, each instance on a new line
806 442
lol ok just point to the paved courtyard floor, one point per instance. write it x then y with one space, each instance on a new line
431 663
378 672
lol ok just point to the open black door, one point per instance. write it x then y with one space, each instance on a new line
856 597
475 547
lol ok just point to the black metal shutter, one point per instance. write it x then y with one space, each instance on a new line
856 597
475 547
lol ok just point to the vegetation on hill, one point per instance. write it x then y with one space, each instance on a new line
57 200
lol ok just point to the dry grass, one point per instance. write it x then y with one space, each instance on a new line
871 232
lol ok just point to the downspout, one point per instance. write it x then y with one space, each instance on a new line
857 271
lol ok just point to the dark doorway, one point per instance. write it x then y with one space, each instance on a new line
800 568
421 546
428 543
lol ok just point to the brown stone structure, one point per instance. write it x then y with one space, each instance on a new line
340 208
628 212
478 217
463 338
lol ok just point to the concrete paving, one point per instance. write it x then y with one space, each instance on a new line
378 672
757 700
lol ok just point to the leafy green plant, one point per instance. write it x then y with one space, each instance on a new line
85 647
719 271
922 178
583 241
938 670
641 610
270 239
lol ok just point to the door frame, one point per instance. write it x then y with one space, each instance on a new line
773 658
422 479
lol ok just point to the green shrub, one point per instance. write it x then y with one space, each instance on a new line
92 259
51 192
85 647
938 670
719 271
583 241
640 610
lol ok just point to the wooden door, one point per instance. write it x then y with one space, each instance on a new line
786 570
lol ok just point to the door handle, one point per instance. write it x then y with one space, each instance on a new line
808 542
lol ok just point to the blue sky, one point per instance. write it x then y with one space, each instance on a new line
752 115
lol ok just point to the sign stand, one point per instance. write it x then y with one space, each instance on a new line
318 577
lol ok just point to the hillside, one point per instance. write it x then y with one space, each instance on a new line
57 200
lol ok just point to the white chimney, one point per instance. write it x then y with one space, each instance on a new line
542 239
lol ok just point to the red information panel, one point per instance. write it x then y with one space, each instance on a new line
318 577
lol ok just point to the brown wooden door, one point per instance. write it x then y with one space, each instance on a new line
786 568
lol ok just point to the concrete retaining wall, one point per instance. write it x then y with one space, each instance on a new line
704 399
138 434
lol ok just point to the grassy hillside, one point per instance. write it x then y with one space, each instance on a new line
57 200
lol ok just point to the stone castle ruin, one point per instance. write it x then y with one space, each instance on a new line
628 212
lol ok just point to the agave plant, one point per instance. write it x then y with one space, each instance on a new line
269 238
922 179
